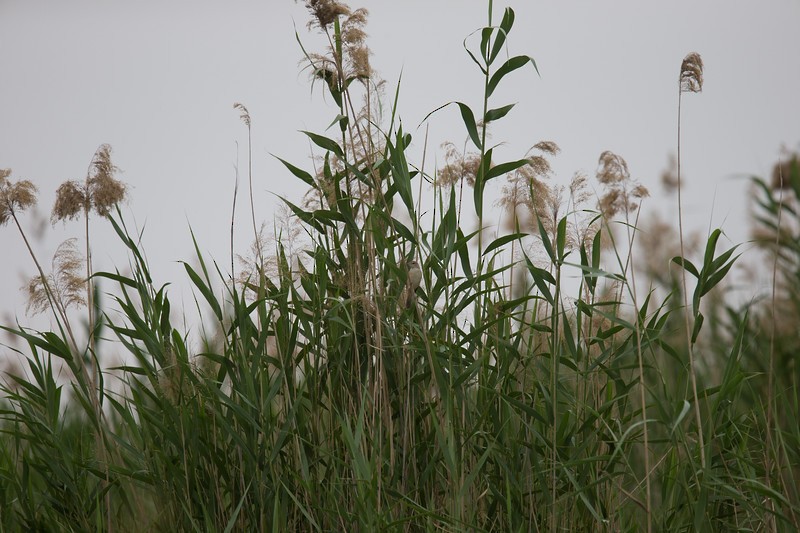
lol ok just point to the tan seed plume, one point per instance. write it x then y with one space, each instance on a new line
692 73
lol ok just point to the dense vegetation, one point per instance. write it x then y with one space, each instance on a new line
329 392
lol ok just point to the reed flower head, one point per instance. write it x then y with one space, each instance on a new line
783 170
612 168
621 191
66 281
245 114
71 200
99 193
14 196
692 73
326 11
106 192
458 166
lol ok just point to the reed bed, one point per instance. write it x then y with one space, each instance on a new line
387 369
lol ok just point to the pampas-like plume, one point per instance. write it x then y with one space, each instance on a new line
65 281
458 167
14 196
692 73
621 192
100 192
245 114
326 11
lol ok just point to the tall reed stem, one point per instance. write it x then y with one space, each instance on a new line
685 291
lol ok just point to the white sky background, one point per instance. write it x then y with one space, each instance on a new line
157 81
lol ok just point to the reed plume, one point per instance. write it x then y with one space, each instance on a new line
689 81
65 280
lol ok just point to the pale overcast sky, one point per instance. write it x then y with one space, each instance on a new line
157 81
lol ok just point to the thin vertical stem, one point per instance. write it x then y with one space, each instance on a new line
640 357
689 343
252 204
771 367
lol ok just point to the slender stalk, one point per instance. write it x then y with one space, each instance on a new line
55 304
640 360
233 211
772 332
90 298
252 204
689 343
96 390
554 348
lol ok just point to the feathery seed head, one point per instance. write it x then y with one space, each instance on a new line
100 192
104 191
612 168
245 114
640 191
326 11
620 188
66 281
578 188
459 166
691 77
547 147
14 196
71 200
782 172
539 165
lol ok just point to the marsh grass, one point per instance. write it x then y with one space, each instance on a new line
499 398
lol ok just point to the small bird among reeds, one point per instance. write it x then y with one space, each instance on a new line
414 278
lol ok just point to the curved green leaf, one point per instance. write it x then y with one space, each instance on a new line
511 65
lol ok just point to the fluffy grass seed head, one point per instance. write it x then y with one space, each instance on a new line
245 114
325 11
100 193
66 281
458 166
621 192
71 201
105 191
612 168
547 147
691 77
14 196
579 189
528 197
783 170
